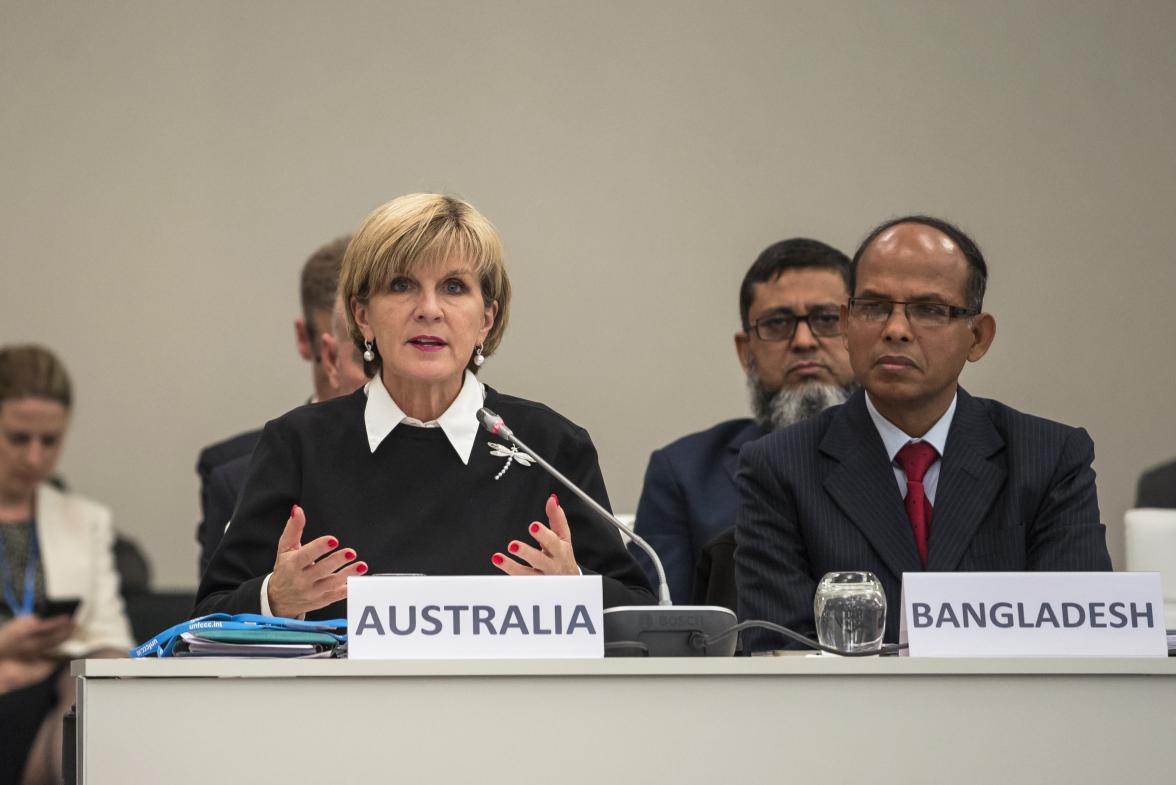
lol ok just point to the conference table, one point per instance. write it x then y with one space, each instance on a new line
783 719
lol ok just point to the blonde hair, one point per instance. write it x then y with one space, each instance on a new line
33 372
418 230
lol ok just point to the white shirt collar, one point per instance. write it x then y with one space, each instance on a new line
894 438
381 415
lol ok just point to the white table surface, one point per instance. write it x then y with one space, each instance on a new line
746 720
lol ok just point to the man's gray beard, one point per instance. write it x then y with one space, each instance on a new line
788 405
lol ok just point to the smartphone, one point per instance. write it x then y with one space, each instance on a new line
48 608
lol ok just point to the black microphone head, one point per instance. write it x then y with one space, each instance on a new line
490 421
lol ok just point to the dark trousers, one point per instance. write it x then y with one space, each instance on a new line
21 713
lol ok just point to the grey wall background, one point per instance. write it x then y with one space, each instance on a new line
167 167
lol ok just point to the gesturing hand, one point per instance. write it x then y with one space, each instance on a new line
309 576
554 556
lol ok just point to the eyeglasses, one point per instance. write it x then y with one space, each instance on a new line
782 326
921 314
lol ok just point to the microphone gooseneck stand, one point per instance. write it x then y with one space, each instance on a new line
665 629
662 630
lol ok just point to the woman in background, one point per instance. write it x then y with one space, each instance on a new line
53 546
399 477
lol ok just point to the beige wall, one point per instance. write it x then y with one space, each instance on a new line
165 168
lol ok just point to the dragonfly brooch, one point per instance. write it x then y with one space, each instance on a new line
511 454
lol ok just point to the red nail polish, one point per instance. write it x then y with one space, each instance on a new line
497 558
513 547
361 568
555 498
332 542
534 528
348 555
293 507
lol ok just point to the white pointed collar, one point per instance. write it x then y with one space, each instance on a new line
381 415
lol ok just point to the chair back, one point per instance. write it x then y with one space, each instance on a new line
1151 547
714 574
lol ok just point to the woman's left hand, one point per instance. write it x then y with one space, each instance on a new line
553 556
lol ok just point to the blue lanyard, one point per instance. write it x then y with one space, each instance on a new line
30 583
164 644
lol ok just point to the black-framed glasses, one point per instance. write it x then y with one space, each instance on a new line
921 314
781 326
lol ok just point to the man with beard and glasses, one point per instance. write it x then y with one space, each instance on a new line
796 364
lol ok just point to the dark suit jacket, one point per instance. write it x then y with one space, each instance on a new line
1015 492
688 498
1157 487
220 499
221 467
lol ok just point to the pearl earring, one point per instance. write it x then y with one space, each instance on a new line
368 354
478 357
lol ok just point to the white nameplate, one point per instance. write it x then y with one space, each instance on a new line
1033 614
401 617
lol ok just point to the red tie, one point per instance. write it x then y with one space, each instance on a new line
915 458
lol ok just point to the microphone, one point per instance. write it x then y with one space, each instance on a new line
664 630
497 427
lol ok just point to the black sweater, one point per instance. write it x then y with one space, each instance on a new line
412 505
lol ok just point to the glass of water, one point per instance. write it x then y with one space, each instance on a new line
850 610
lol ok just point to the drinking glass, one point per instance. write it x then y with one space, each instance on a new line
850 611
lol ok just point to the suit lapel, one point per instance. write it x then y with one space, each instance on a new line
968 484
730 457
863 486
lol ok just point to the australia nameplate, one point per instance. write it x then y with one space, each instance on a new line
414 617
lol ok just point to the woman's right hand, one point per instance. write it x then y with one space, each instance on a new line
308 577
29 637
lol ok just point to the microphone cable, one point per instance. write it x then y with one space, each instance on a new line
701 641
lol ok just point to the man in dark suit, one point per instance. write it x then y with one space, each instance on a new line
795 365
912 473
221 466
1157 487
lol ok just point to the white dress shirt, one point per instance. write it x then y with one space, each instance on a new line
459 422
894 439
